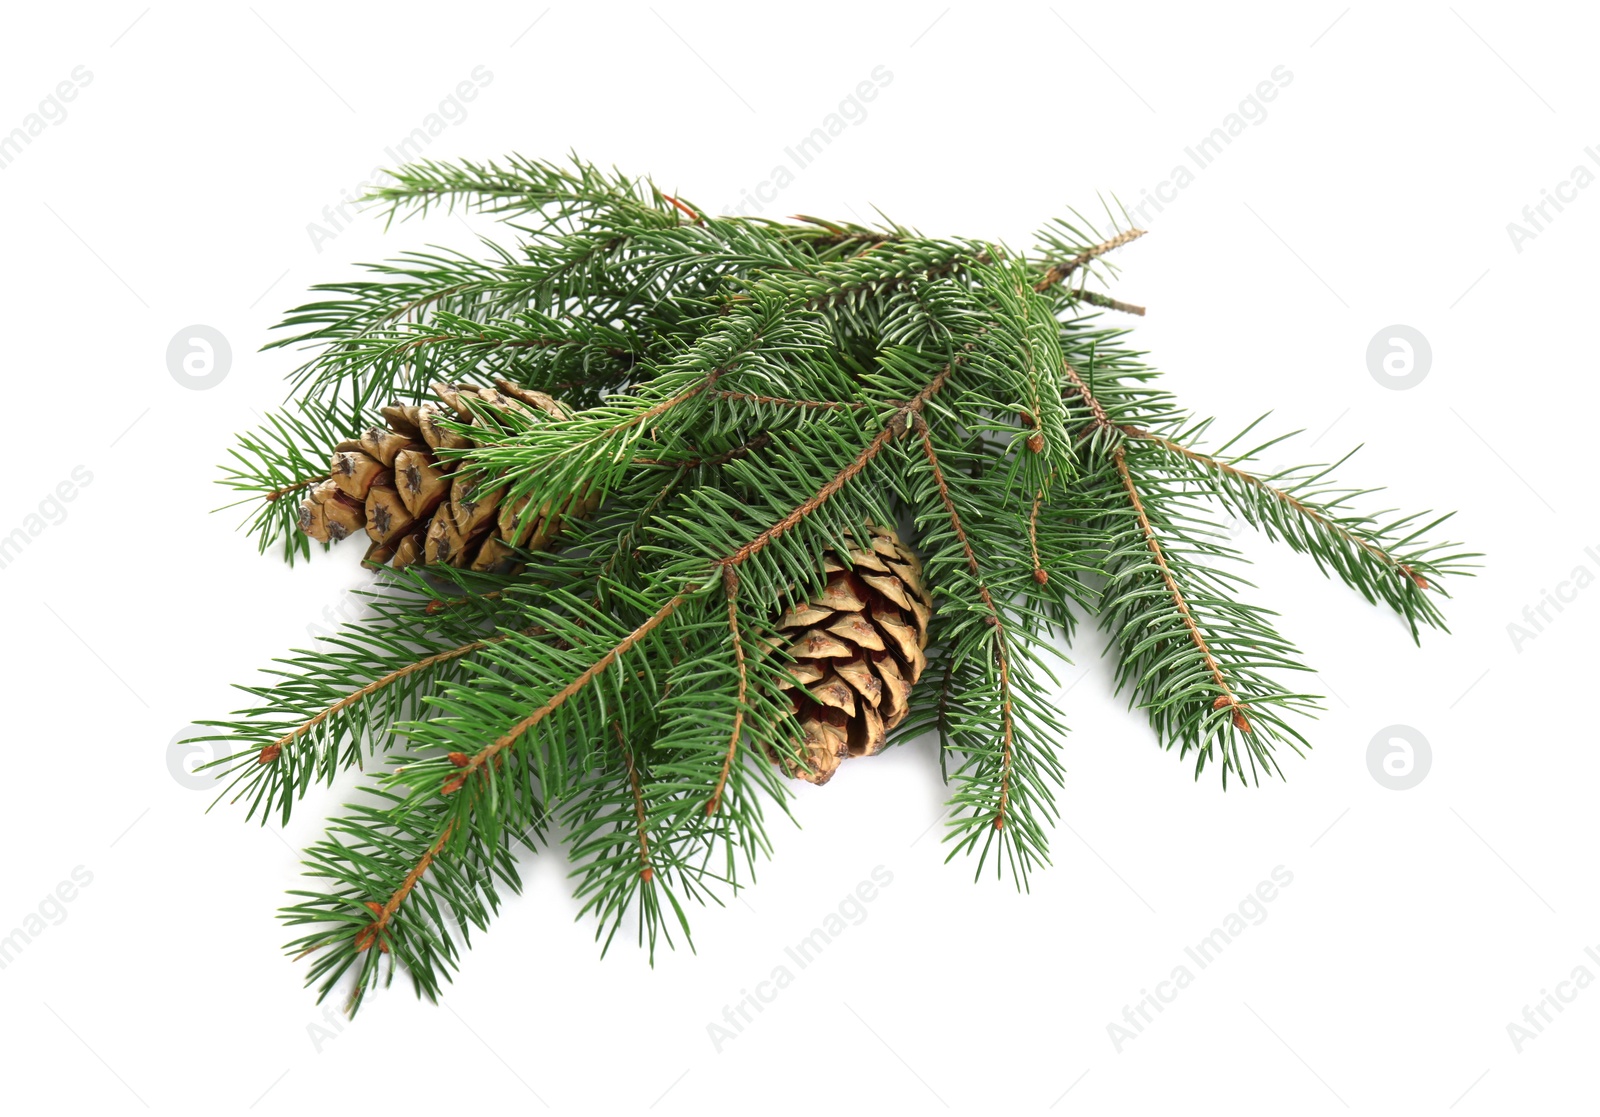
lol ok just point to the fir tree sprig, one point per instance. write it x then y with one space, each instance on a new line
746 402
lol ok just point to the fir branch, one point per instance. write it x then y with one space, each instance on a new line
1323 522
805 404
593 450
519 188
893 427
730 583
749 401
335 704
1101 419
1190 651
479 762
734 559
995 623
1095 298
375 933
489 752
1055 273
448 888
1039 573
646 872
1227 697
1149 637
282 458
1385 563
755 445
640 523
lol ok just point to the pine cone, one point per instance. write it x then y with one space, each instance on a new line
858 650
420 507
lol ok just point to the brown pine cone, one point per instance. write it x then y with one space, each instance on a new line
418 506
857 647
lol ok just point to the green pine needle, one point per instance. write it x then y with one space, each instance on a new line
745 395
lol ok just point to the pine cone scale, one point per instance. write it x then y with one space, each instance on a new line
354 471
419 508
856 649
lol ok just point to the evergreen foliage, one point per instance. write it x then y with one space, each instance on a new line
746 395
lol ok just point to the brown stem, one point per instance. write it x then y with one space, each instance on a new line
450 603
1057 272
271 752
626 541
490 751
693 216
1039 574
994 621
294 488
838 234
894 426
646 873
1095 298
757 443
944 696
373 931
666 405
586 381
1100 417
500 343
1299 506
815 404
730 585
424 301
881 282
1228 698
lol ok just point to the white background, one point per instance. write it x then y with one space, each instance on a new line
178 191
